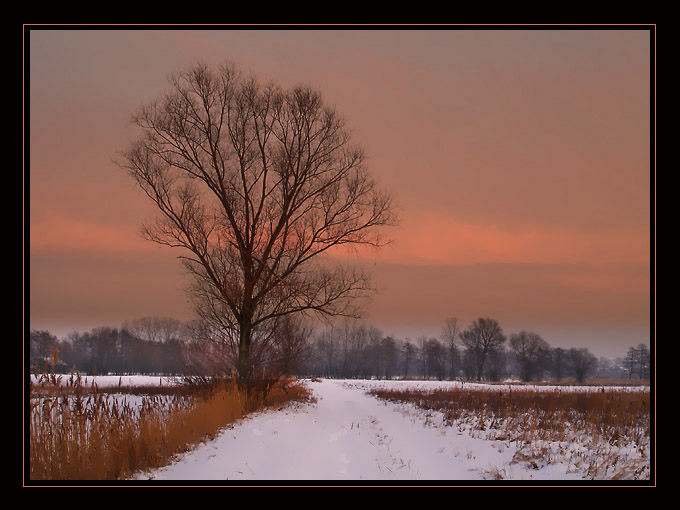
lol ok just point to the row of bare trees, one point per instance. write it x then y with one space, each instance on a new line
105 350
350 349
481 351
158 345
638 362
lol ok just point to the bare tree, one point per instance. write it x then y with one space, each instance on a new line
450 334
643 360
433 358
630 361
388 353
291 347
483 337
638 360
155 329
256 184
207 351
582 362
42 346
558 363
409 354
327 353
531 353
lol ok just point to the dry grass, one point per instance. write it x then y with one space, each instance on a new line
606 382
85 433
603 434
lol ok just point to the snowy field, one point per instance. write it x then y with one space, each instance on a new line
348 435
106 381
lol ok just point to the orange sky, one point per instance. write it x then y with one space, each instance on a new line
520 160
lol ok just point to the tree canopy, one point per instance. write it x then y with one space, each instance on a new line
255 182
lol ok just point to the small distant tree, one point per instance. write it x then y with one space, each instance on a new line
433 358
409 354
105 349
558 364
388 356
630 361
42 346
637 362
80 351
582 362
327 354
530 352
290 345
156 329
643 361
481 339
450 334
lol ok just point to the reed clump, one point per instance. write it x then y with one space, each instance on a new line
80 432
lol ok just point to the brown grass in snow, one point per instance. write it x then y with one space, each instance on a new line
604 434
80 432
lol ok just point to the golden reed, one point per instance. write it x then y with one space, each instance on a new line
83 433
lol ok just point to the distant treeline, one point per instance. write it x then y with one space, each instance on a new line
480 352
349 350
106 351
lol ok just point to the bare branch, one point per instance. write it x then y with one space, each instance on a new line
256 183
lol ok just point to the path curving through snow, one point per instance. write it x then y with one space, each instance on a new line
346 435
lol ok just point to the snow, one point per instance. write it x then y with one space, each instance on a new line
349 435
104 381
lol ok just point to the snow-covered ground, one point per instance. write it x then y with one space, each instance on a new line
349 435
104 381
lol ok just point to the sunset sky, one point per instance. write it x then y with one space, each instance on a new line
520 160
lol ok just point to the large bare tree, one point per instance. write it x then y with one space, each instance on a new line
256 183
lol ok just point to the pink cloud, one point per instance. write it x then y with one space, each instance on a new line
56 230
430 238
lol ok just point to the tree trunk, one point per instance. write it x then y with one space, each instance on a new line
480 366
244 363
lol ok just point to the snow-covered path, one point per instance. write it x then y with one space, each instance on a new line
347 435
